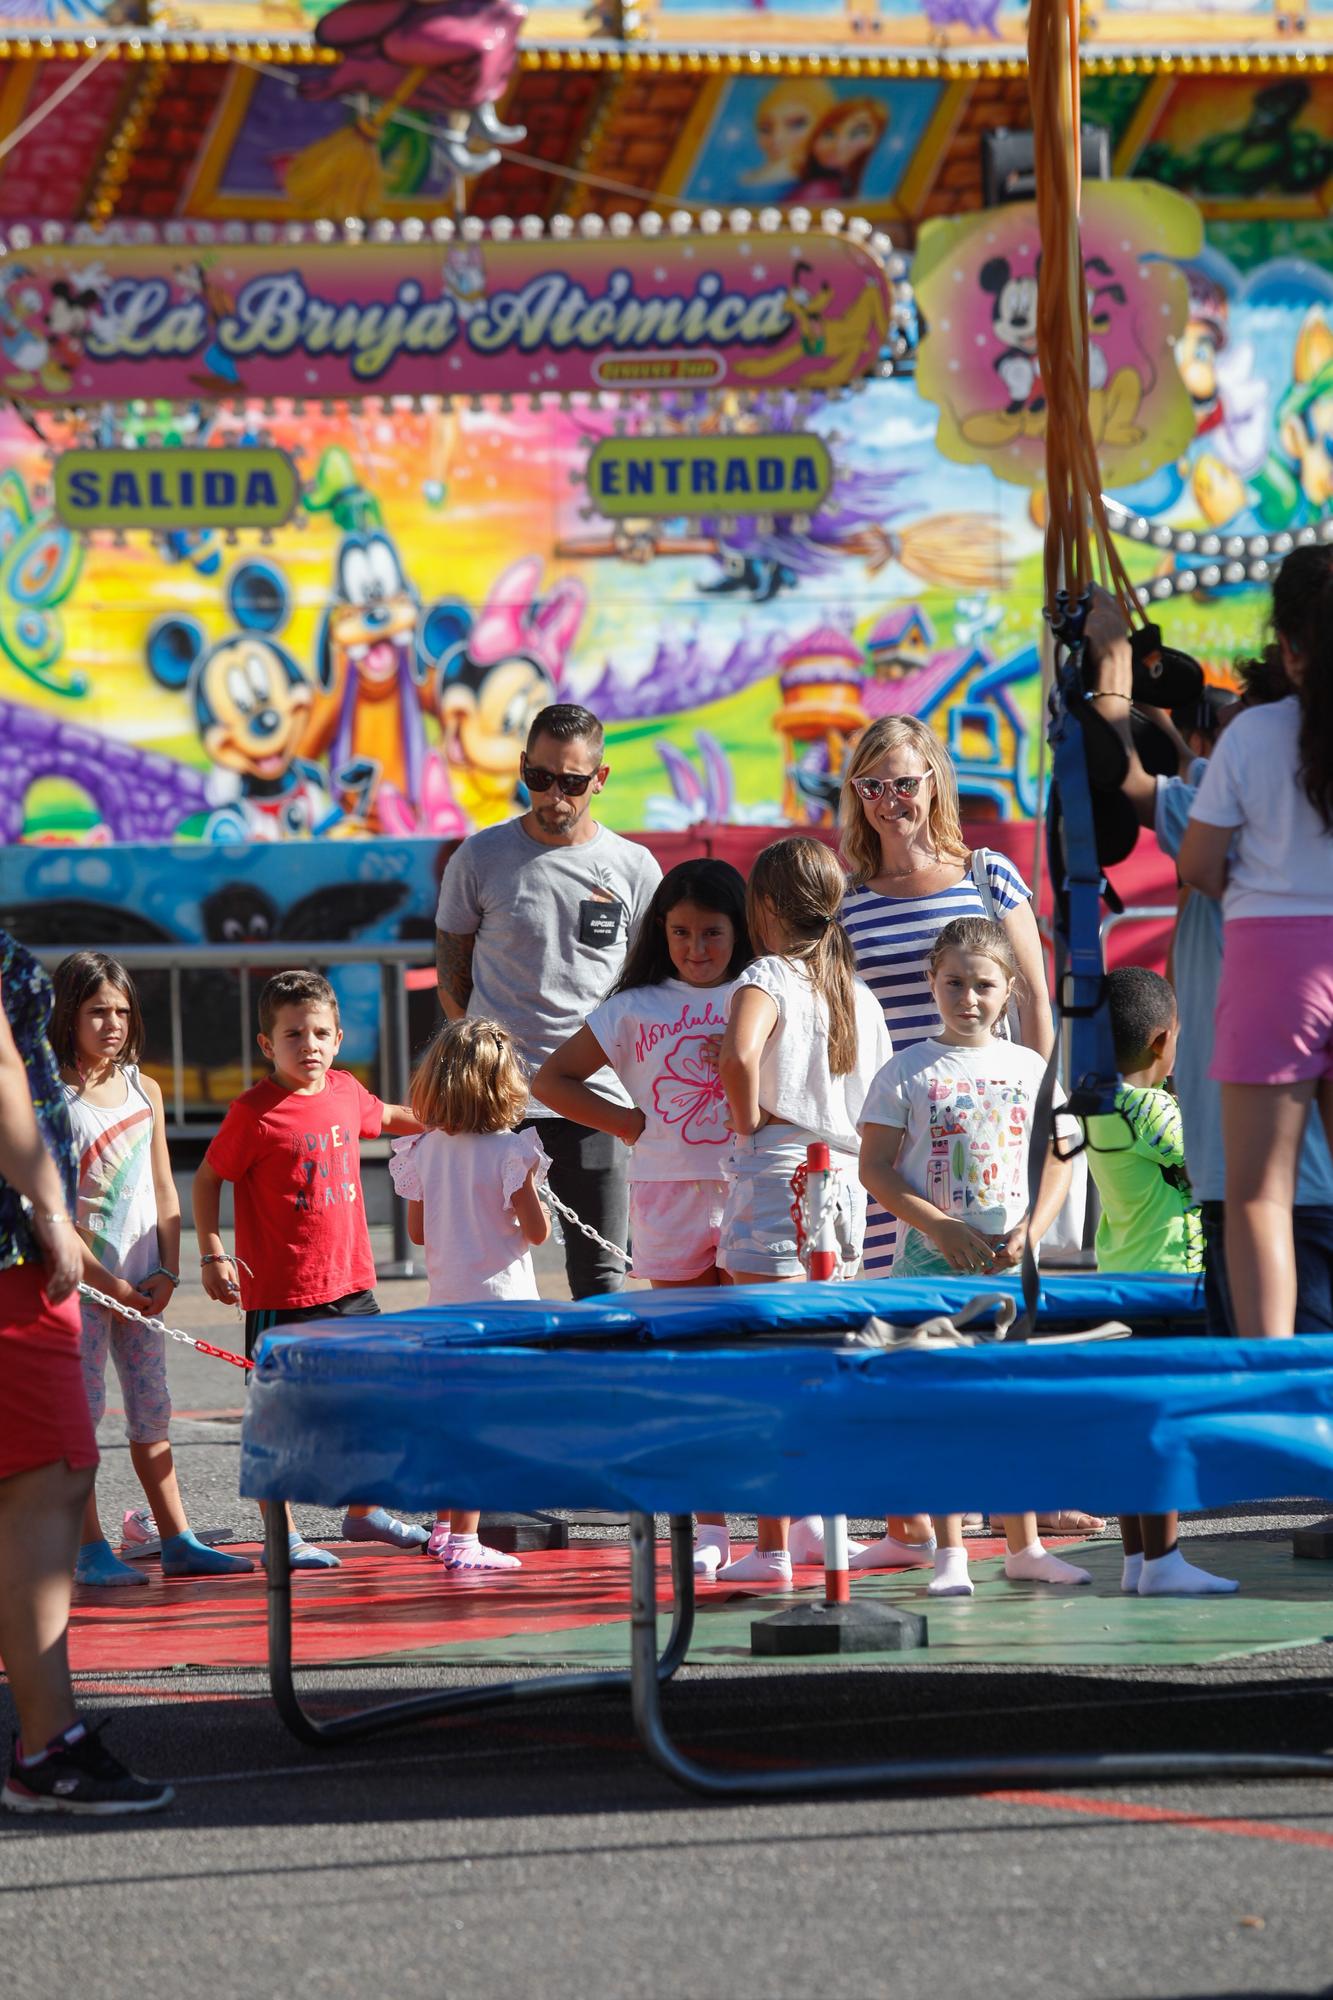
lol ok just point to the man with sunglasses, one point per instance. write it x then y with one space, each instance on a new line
532 927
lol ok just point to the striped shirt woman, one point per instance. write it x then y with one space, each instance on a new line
912 875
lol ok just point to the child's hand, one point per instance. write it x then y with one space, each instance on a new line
964 1249
632 1127
155 1294
220 1282
1010 1247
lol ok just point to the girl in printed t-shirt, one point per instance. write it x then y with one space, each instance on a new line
472 1189
660 1029
804 1038
945 1131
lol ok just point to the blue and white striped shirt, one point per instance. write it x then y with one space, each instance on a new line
892 938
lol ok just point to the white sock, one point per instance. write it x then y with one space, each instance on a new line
1034 1564
711 1535
805 1542
1130 1573
760 1566
889 1553
951 1578
1171 1576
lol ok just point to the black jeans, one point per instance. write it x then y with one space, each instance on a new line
590 1173
1312 1228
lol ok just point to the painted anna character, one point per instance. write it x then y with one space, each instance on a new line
839 151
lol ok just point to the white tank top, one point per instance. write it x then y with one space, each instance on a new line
117 1206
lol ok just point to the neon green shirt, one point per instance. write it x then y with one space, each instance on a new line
1150 1219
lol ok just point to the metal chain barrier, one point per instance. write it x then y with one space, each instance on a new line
563 1210
160 1326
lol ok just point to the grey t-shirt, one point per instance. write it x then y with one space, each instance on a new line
552 926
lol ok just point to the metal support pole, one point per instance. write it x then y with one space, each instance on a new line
394 1067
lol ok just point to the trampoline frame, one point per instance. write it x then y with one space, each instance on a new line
649 1669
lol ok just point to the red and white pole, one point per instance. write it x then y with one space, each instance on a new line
837 1575
824 1244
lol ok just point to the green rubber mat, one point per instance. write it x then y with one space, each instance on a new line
1281 1603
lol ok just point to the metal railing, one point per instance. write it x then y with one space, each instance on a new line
391 957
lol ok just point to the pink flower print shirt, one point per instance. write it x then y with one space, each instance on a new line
662 1041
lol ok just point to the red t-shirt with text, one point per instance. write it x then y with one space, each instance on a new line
296 1165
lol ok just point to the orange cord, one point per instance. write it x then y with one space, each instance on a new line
1078 549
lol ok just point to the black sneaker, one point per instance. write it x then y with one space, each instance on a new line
82 1778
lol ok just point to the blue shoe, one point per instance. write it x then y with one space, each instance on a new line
381 1526
306 1555
183 1555
99 1564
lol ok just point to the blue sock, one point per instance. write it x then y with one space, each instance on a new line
379 1525
99 1564
185 1555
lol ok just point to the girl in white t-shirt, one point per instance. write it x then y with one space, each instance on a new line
1260 836
945 1131
804 1037
472 1187
660 1028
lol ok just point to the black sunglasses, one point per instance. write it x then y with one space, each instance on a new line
572 783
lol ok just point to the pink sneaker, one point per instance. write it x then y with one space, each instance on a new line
469 1554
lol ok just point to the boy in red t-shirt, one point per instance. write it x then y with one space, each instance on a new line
291 1147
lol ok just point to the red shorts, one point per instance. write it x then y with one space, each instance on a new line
43 1408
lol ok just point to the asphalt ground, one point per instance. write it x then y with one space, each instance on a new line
536 1852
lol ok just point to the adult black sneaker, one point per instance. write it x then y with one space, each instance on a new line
82 1777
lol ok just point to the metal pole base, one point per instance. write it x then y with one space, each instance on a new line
1314 1544
858 1627
513 1534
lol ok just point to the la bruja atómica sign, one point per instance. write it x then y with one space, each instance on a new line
767 310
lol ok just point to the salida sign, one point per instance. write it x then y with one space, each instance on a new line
243 486
767 310
692 476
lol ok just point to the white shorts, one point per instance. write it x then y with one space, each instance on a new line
758 1230
674 1227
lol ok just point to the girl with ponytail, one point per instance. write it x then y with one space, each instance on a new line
804 1040
1261 837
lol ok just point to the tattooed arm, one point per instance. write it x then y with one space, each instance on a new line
453 971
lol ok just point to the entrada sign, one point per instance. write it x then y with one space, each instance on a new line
242 486
759 310
668 477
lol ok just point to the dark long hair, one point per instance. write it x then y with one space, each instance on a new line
713 885
77 979
1303 616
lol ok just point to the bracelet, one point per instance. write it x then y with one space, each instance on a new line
54 1217
161 1271
1109 694
214 1257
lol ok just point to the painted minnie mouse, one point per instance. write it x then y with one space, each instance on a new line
500 670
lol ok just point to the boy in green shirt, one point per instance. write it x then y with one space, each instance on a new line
1150 1222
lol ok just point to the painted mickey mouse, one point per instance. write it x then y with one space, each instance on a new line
251 706
1014 324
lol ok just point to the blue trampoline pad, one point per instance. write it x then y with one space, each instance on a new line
749 1400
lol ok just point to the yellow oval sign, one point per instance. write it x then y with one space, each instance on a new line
667 477
162 489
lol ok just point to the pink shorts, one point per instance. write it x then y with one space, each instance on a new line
1275 1001
674 1227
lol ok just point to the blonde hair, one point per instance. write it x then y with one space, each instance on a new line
470 1079
804 884
859 841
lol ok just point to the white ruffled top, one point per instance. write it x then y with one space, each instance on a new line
466 1183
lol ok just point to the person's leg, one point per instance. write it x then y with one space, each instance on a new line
40 1515
590 1173
1262 1129
1131 1542
1028 1562
1312 1230
1221 1320
951 1577
1165 1572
